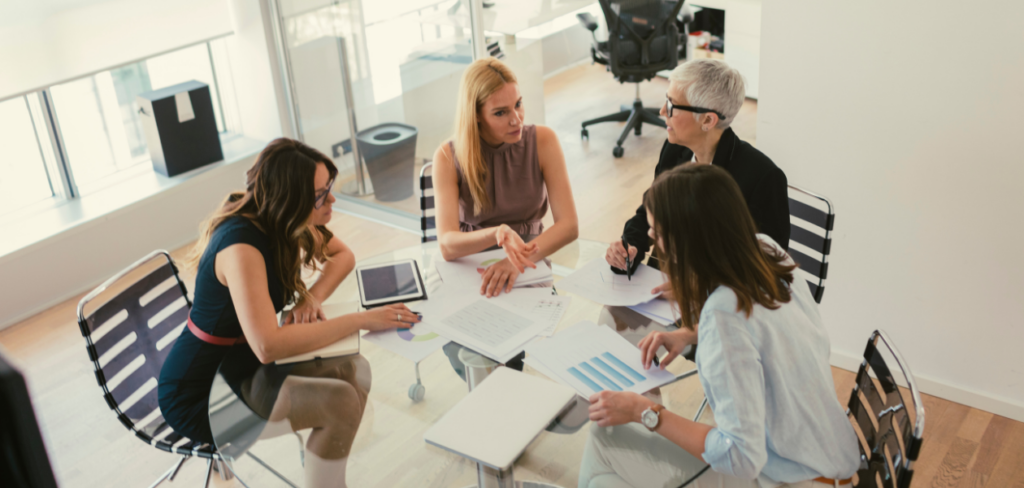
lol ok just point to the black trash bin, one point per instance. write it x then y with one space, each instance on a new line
389 152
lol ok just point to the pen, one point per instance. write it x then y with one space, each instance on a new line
629 265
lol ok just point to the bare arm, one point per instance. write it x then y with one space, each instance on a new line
453 242
341 262
563 206
242 269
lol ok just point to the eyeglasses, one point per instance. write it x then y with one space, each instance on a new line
321 196
696 110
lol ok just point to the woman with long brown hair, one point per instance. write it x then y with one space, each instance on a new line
248 262
763 359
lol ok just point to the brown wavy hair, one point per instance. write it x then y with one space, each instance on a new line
482 79
278 198
707 239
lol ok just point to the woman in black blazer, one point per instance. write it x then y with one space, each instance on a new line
703 98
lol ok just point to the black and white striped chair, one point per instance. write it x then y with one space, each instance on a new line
427 222
128 336
811 217
889 437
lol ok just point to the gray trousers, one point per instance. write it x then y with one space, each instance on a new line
629 455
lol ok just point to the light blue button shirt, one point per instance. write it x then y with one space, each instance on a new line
768 381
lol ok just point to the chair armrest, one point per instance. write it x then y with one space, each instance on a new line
588 21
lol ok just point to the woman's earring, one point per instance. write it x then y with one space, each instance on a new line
704 128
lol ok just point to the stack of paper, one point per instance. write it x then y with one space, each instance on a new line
465 272
592 358
596 281
657 310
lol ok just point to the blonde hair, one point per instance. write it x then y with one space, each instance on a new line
482 79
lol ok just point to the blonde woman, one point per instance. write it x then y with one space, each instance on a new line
493 181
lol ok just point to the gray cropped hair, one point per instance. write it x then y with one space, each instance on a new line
710 83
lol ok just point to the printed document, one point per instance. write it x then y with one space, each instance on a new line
465 272
596 281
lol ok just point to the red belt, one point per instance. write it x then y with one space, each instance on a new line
830 481
211 339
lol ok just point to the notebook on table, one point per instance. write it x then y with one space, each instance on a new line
345 347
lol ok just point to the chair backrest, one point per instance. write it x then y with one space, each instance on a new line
427 223
811 217
128 338
642 37
889 438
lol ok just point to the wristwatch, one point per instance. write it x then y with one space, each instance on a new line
651 417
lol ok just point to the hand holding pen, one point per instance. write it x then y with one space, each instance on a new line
618 252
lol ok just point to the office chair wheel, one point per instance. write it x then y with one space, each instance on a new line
617 151
417 392
637 130
584 134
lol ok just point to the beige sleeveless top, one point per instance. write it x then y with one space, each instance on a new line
514 184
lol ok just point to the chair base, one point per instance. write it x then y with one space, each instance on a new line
634 116
526 484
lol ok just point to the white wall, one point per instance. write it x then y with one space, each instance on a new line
906 115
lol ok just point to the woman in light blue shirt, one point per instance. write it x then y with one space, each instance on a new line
762 360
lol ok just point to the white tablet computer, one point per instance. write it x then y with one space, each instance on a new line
381 284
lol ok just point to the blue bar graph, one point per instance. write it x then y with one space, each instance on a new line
600 377
582 377
621 365
612 371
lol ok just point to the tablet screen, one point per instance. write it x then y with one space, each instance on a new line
388 281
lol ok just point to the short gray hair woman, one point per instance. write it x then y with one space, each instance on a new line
703 99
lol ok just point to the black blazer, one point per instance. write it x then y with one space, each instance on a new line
763 185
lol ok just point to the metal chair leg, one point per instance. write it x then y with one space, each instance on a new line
209 473
171 473
233 473
272 470
701 409
302 450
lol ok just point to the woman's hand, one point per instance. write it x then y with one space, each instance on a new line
518 252
664 291
308 310
389 317
616 254
674 341
498 276
610 408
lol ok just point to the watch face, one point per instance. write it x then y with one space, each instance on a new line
650 419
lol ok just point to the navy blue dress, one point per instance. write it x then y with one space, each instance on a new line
188 373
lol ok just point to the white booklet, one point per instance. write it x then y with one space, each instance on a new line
466 271
344 347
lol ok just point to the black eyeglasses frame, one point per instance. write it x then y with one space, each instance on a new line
321 196
697 110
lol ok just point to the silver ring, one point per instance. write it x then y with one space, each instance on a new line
399 317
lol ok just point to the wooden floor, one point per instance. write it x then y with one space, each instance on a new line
964 447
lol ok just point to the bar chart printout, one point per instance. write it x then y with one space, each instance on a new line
593 358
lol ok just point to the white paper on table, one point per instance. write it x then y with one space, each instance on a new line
657 310
596 281
538 304
491 327
592 358
414 343
465 272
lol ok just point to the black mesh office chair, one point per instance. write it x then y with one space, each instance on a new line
810 225
643 39
889 439
128 338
